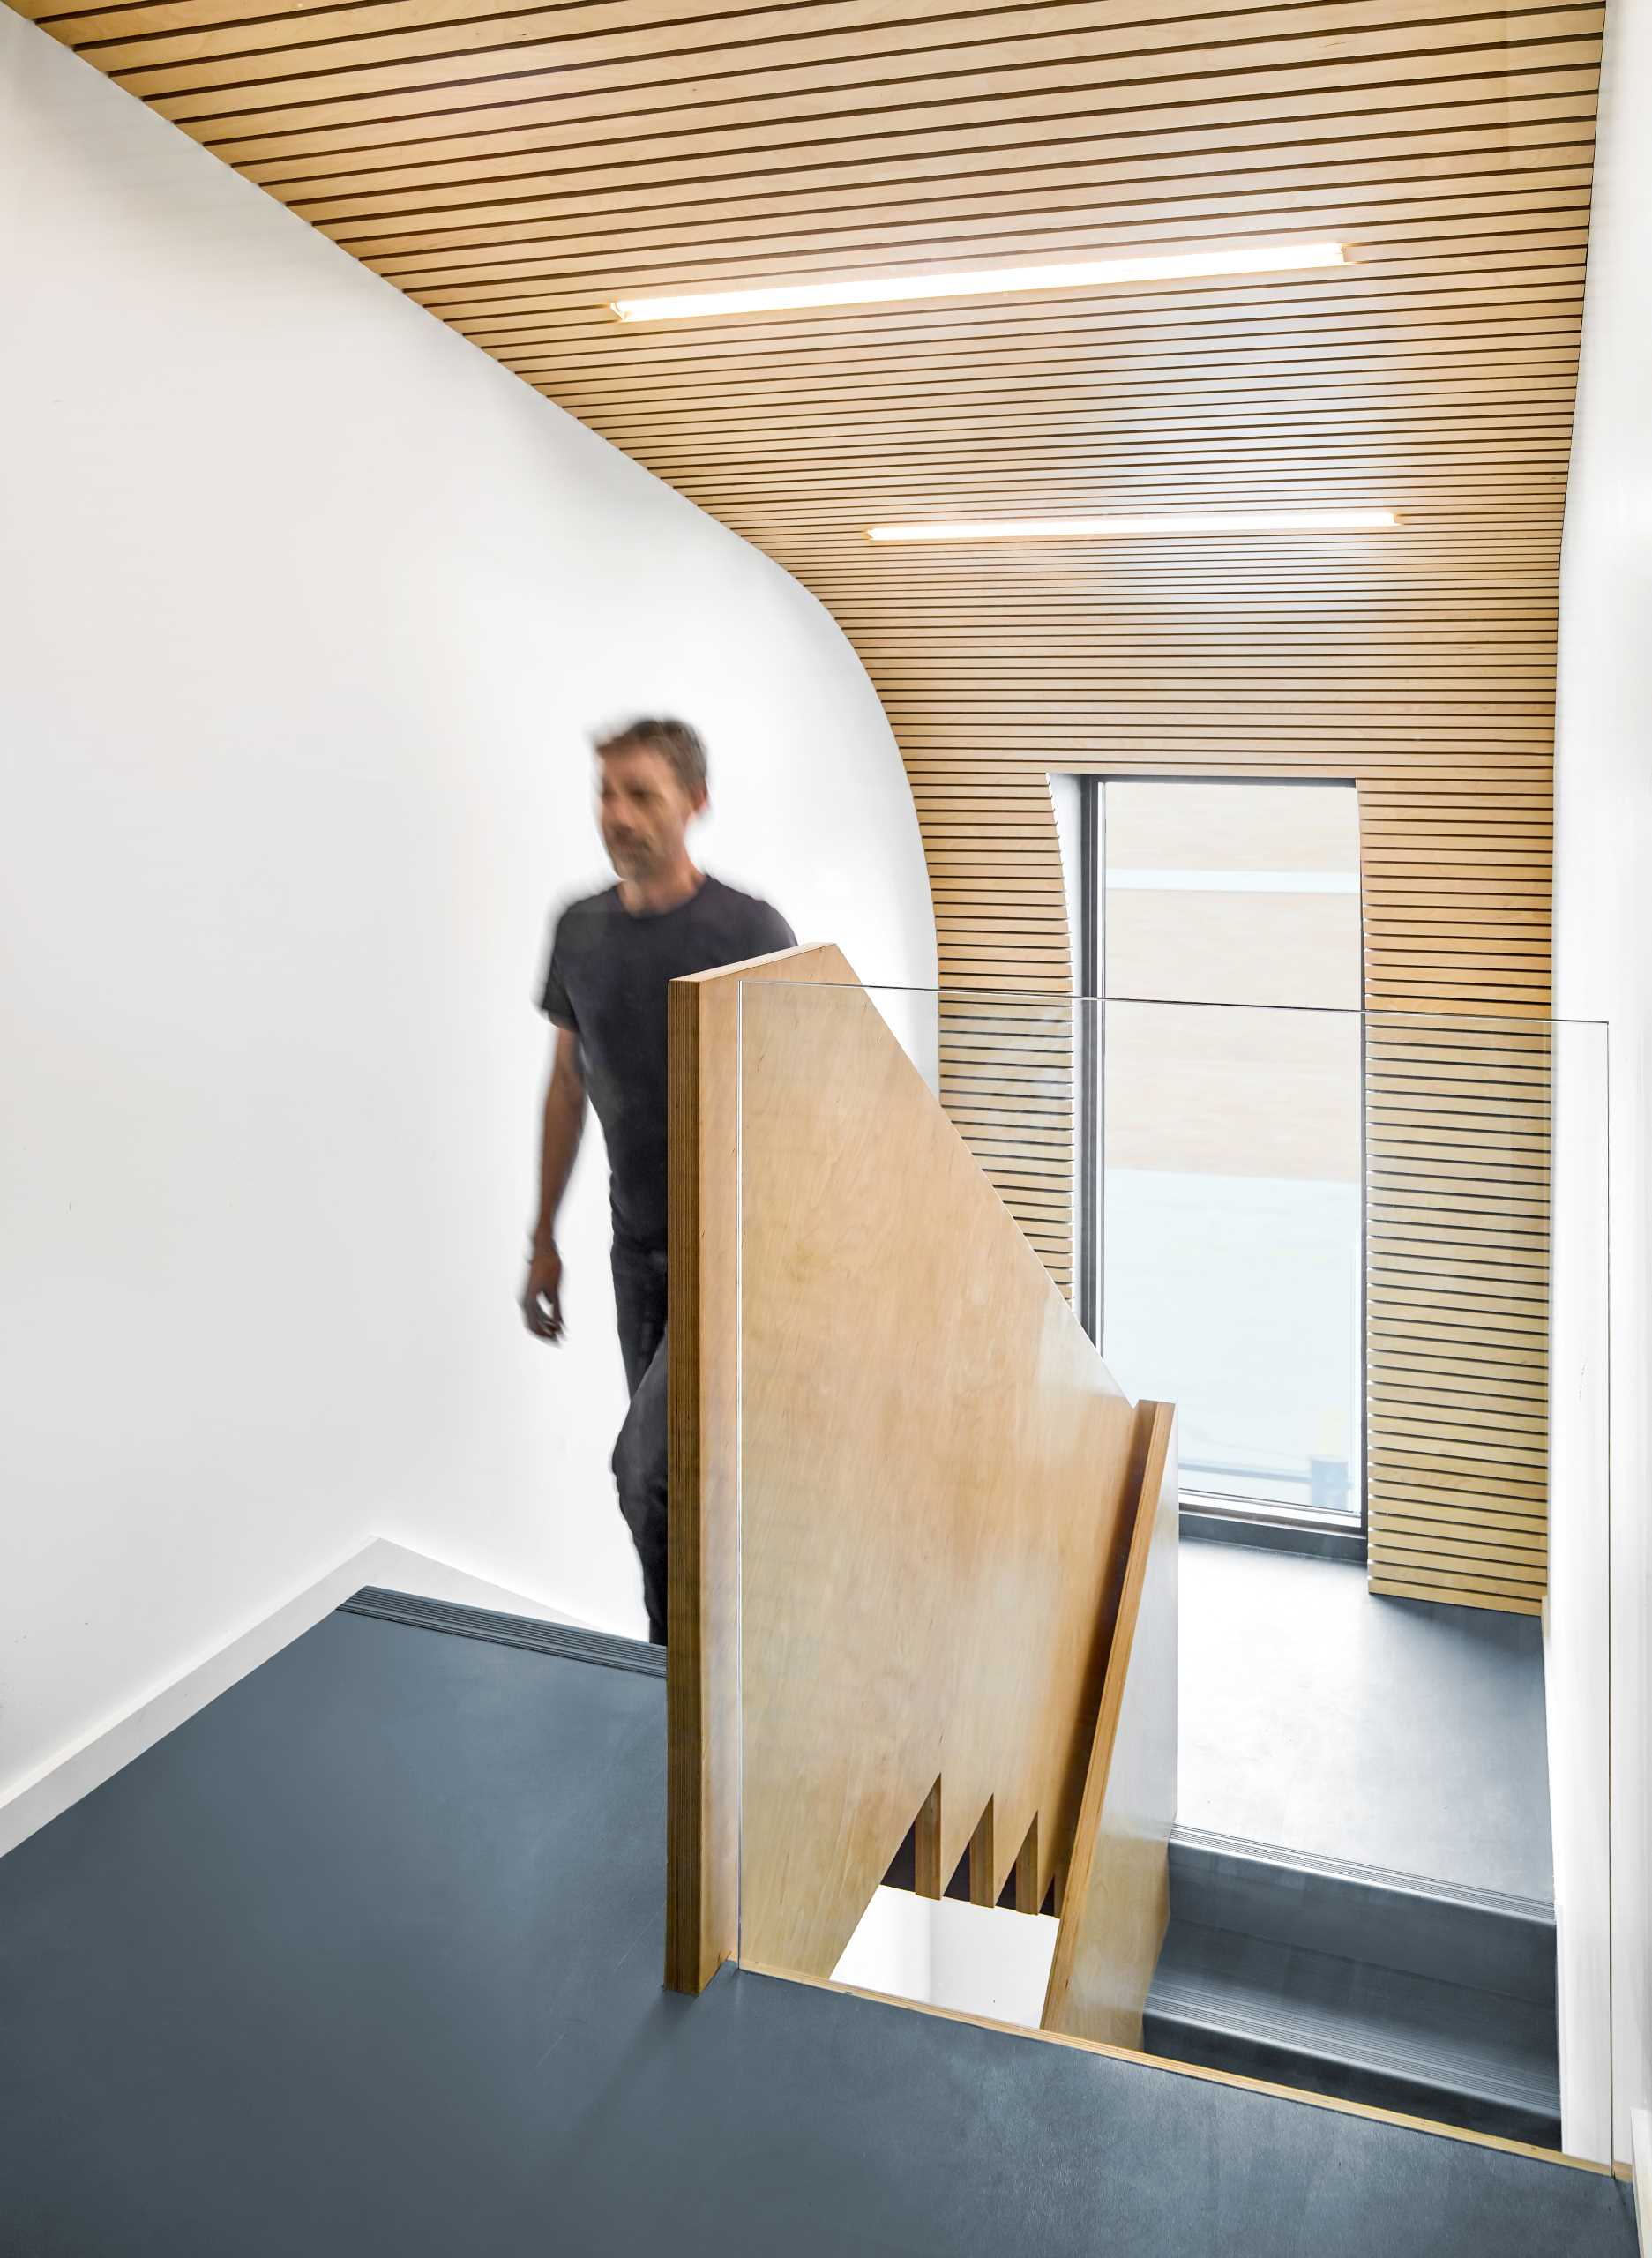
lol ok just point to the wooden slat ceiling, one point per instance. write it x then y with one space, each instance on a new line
515 168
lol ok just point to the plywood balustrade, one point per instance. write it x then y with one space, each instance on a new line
516 169
938 1483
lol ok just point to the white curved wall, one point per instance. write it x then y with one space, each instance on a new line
308 608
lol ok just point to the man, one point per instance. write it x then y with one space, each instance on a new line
612 958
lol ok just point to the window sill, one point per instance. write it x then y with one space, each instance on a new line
1323 1540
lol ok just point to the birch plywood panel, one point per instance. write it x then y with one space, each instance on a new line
936 1494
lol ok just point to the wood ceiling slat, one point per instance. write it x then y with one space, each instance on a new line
324 186
1011 466
279 157
1246 312
399 31
1122 33
478 213
1537 404
865 78
1541 281
1411 353
1498 225
1097 392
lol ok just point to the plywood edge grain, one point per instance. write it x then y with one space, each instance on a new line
1117 1903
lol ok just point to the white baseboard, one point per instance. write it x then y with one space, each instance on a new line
42 1795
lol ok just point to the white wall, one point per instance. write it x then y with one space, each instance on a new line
1603 941
974 1959
1577 1606
307 609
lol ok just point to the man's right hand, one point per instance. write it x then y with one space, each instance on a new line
542 1296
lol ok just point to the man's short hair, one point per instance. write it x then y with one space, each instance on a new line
674 741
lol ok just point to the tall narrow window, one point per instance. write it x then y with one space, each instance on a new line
1222 1226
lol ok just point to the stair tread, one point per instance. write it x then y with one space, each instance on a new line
1442 1933
1281 1864
1418 2028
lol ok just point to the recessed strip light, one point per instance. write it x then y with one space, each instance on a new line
1187 521
985 281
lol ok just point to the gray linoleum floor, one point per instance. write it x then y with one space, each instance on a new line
1395 1733
365 1959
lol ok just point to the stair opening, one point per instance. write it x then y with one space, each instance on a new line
945 1952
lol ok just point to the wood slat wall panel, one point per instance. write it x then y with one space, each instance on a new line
515 167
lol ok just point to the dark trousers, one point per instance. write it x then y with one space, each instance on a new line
639 1455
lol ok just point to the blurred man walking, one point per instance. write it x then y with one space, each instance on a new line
613 957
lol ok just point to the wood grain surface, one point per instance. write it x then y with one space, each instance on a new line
936 1498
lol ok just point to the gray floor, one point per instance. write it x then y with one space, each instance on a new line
365 1959
1392 1733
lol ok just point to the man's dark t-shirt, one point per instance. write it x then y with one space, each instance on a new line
607 981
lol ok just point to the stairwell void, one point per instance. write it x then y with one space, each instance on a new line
1249 1815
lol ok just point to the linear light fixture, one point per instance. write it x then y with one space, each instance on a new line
1189 522
986 282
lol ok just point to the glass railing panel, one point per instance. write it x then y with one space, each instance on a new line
1231 1250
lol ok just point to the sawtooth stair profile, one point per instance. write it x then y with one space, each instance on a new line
923 1549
